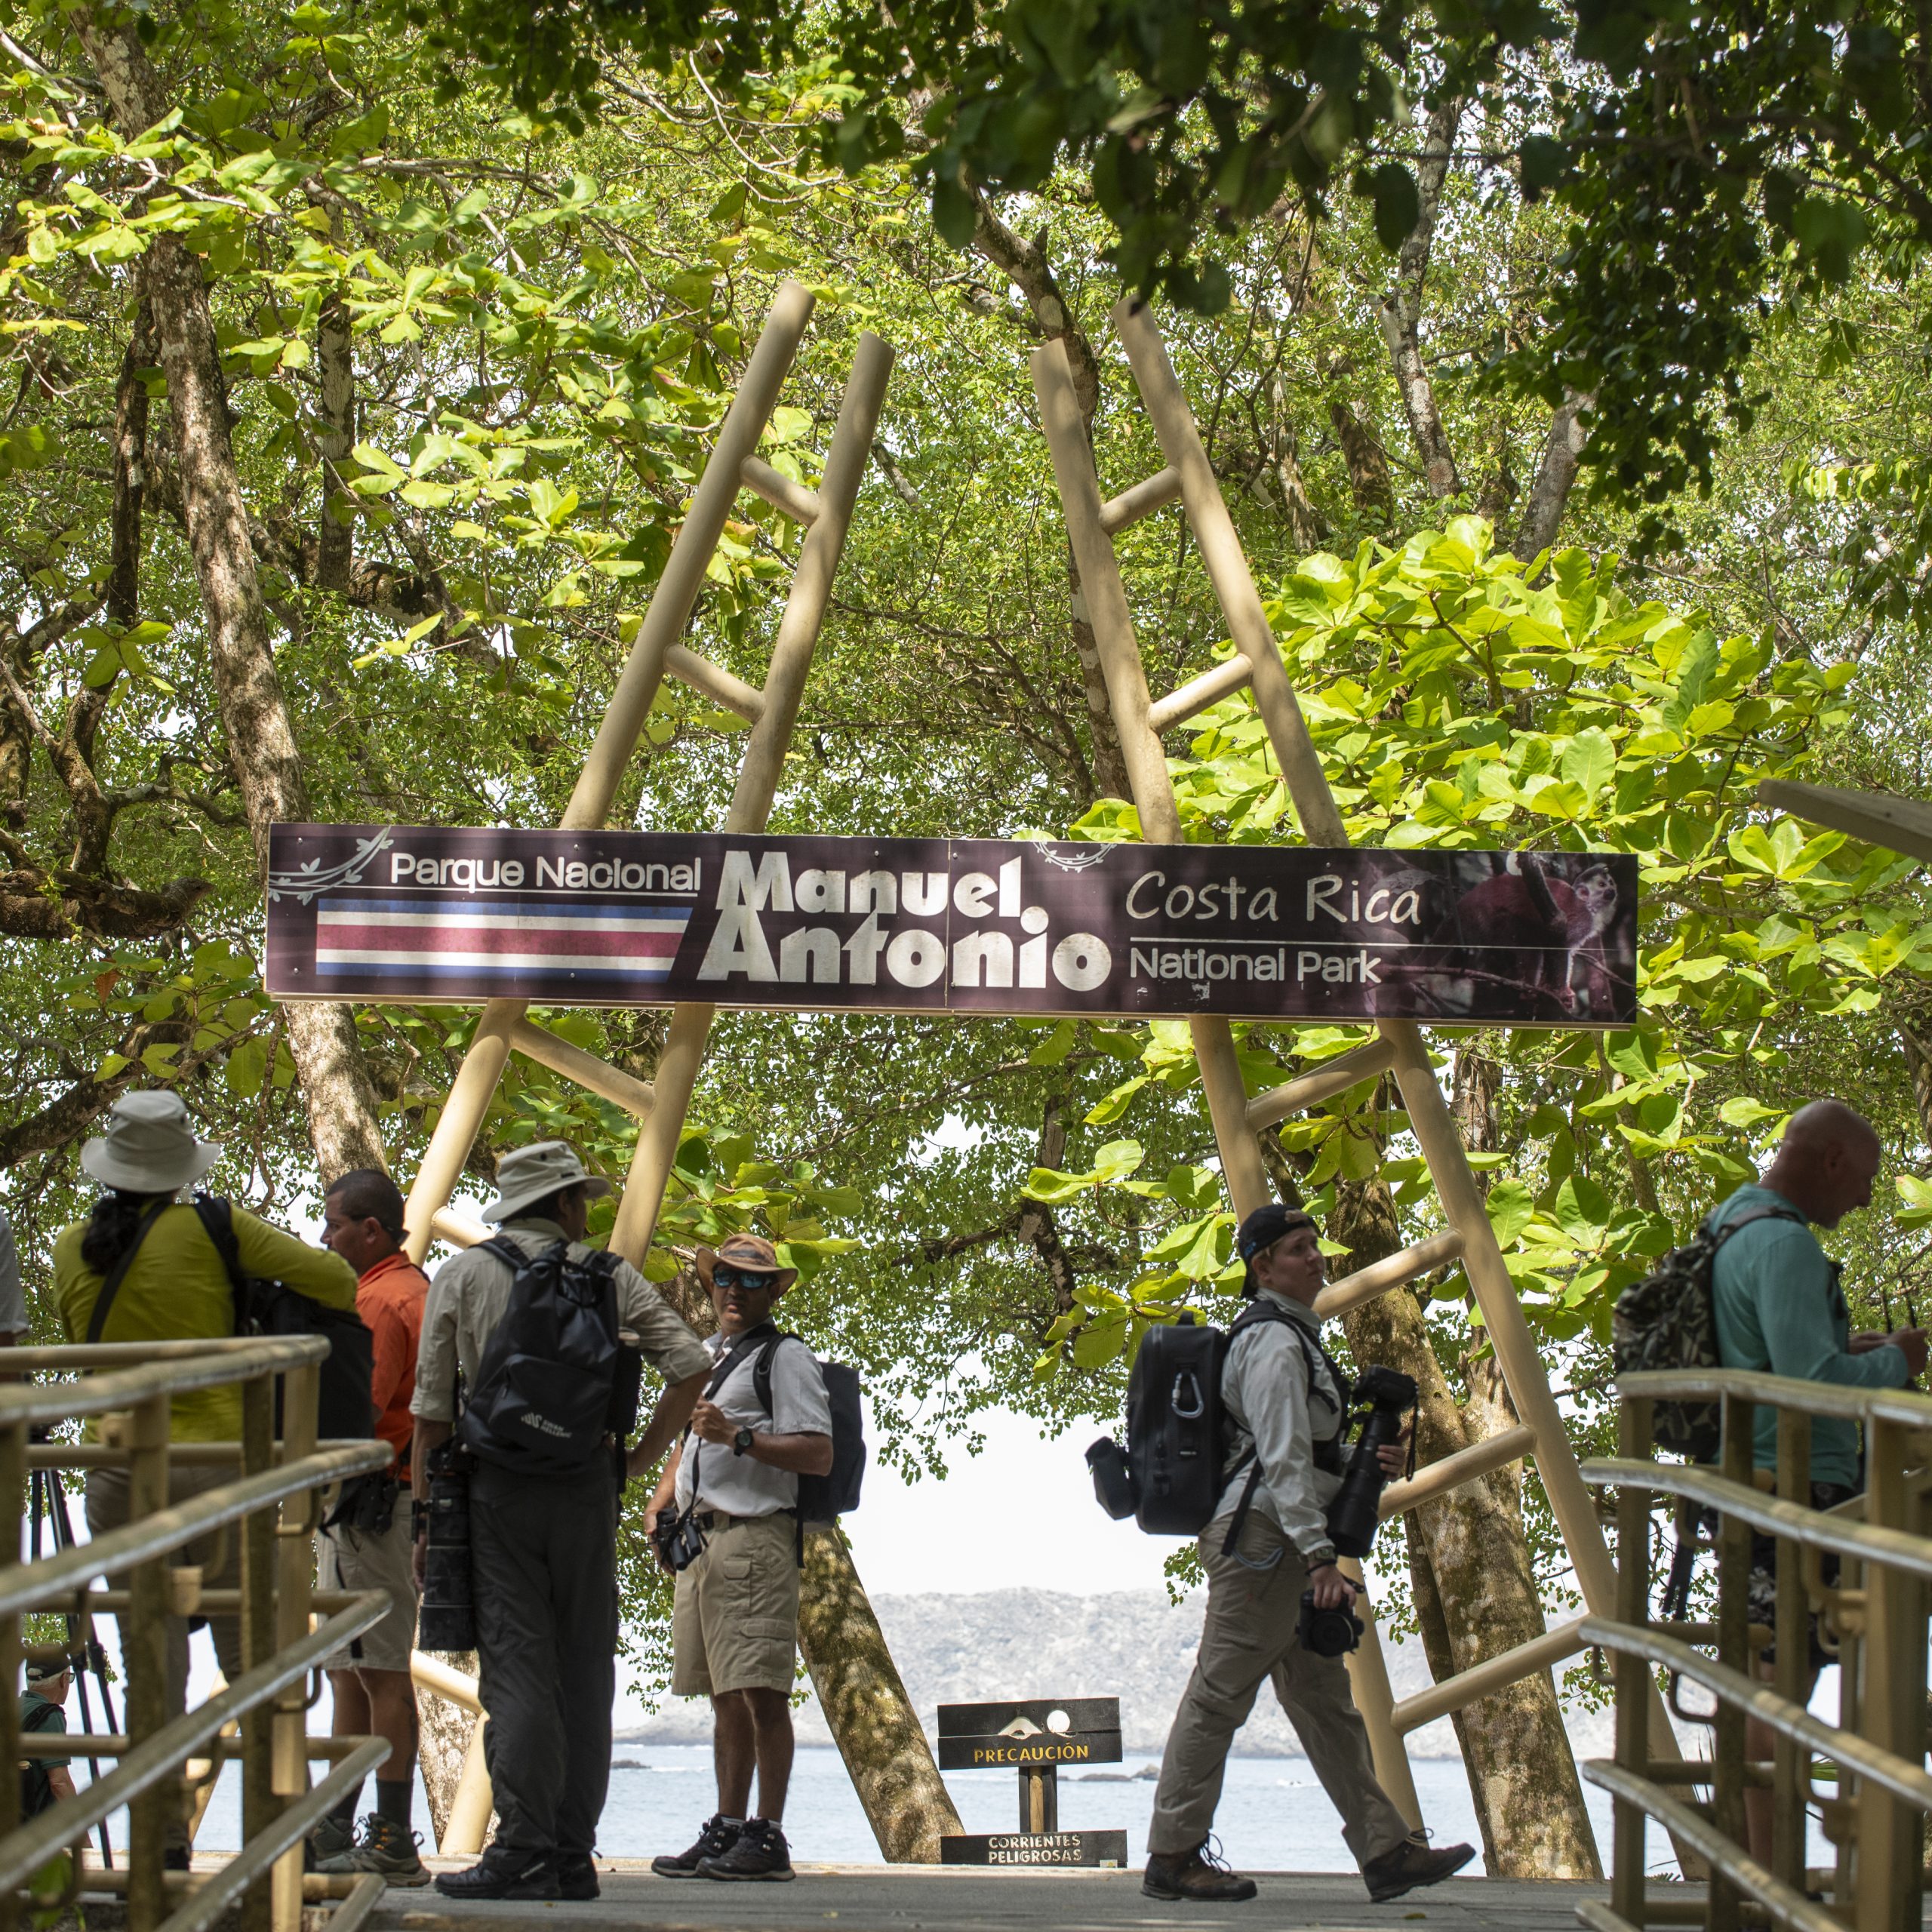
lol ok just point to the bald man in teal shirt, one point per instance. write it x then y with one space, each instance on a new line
1780 1309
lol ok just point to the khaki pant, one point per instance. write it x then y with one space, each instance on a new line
734 1617
1249 1636
347 1559
107 1509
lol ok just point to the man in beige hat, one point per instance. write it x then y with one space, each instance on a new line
734 1626
542 1548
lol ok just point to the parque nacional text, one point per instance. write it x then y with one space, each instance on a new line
423 914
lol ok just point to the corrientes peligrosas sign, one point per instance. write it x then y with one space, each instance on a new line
950 925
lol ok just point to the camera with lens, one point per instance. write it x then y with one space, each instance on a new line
678 1539
1387 1396
1327 1633
448 1614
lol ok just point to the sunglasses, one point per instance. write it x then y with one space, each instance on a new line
725 1276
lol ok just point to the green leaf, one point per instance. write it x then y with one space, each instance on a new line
1511 1207
1589 760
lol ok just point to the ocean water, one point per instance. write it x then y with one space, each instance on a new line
1273 1814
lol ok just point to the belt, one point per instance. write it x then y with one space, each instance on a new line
712 1519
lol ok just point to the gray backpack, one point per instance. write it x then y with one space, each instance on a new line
1667 1320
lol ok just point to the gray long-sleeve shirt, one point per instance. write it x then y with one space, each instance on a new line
1275 1403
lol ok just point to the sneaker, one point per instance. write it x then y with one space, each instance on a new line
577 1875
1414 1861
386 1846
1200 1874
503 1874
331 1838
760 1852
716 1838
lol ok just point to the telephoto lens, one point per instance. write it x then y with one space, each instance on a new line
1356 1512
447 1620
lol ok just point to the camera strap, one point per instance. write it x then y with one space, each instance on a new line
1257 1312
751 1339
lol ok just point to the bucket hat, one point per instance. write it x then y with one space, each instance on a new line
752 1251
148 1145
527 1175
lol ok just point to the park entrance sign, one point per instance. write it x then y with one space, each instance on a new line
961 925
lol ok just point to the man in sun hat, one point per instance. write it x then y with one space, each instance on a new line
543 1548
143 1268
734 1626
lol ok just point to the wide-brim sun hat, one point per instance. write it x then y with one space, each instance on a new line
751 1251
148 1145
527 1175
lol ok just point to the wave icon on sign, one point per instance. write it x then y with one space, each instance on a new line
1022 1727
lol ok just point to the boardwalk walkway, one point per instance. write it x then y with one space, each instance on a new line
865 1899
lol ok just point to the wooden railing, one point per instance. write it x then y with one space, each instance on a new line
1865 1773
271 1508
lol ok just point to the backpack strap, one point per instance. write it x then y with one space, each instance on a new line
104 1301
218 1218
1720 1235
762 1368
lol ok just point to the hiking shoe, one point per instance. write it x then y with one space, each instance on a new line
1414 1861
760 1852
330 1838
502 1874
1199 1874
717 1837
384 1846
577 1875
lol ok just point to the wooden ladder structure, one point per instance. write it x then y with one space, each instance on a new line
1257 665
826 514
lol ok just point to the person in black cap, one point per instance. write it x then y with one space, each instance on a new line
1287 1401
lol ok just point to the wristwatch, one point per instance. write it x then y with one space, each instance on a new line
741 1443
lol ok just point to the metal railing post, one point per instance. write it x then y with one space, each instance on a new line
259 1806
295 1572
1791 1654
13 1502
1734 1651
148 1701
1630 1828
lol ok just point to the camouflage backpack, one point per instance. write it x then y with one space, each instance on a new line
1667 1320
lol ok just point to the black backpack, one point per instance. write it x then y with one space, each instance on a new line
1170 1476
1668 1320
555 1377
36 1787
823 1499
346 1406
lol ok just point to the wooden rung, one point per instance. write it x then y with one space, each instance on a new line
715 682
1409 1264
1497 1674
585 1069
1144 499
786 497
1330 1078
1496 1452
459 1230
1198 693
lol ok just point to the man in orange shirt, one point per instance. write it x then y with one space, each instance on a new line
367 1544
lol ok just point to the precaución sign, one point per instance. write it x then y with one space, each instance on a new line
423 914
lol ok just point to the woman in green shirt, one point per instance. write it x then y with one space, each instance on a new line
175 1288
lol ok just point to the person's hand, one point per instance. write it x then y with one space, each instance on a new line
1911 1342
650 1516
710 1422
1332 1590
1866 1340
1393 1457
419 1556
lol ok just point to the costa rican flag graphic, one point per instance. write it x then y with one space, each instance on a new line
399 938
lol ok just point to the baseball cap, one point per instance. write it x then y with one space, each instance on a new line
1263 1228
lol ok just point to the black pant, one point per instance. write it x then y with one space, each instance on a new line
543 1553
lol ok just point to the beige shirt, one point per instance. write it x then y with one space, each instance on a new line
469 1292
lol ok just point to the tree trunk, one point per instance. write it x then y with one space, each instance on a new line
254 715
864 1699
1402 307
1305 522
1549 494
1368 467
1522 1775
335 536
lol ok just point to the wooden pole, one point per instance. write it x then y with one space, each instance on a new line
676 1075
664 621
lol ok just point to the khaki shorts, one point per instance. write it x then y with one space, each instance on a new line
734 1625
347 1559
